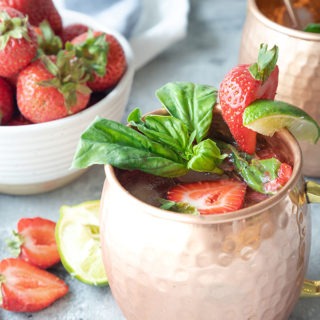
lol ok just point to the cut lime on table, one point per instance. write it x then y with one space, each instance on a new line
78 240
267 117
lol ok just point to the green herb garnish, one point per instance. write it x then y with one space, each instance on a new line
166 146
179 207
255 172
312 27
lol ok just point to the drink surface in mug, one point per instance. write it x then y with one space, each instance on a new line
151 189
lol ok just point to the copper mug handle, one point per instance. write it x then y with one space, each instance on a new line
311 288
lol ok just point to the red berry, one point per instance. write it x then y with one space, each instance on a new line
240 87
6 102
40 102
210 197
18 42
37 11
116 62
72 31
36 239
26 288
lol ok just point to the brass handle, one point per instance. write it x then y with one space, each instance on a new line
310 289
313 192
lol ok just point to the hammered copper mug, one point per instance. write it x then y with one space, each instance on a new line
299 58
248 264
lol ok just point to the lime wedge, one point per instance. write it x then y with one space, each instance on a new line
78 241
267 117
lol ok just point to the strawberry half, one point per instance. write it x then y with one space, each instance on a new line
35 239
210 197
243 85
26 288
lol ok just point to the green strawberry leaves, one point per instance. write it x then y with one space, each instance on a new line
93 51
15 27
267 60
49 42
70 76
158 144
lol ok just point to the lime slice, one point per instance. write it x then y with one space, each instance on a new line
267 117
78 241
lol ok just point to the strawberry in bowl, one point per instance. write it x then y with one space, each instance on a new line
52 105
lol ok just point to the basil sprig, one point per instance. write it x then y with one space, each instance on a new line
255 172
166 146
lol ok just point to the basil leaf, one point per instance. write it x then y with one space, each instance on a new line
207 157
191 103
180 207
256 173
107 141
312 27
164 129
135 116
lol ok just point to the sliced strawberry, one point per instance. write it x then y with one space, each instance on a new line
210 197
240 87
37 242
26 288
284 174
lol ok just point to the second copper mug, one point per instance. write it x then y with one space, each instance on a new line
299 60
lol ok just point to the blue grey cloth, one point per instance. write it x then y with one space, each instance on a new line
121 15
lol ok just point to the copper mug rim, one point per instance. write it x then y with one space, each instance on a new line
252 4
223 217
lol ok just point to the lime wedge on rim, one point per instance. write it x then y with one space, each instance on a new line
268 116
78 240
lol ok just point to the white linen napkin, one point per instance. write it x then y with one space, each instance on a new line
151 26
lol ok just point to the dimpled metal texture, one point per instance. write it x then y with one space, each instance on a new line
299 61
249 264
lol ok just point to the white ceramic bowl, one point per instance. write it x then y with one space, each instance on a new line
37 158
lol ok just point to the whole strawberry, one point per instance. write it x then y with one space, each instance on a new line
18 42
52 88
95 53
73 30
37 11
241 86
6 102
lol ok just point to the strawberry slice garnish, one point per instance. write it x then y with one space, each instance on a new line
210 197
35 239
26 288
241 86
